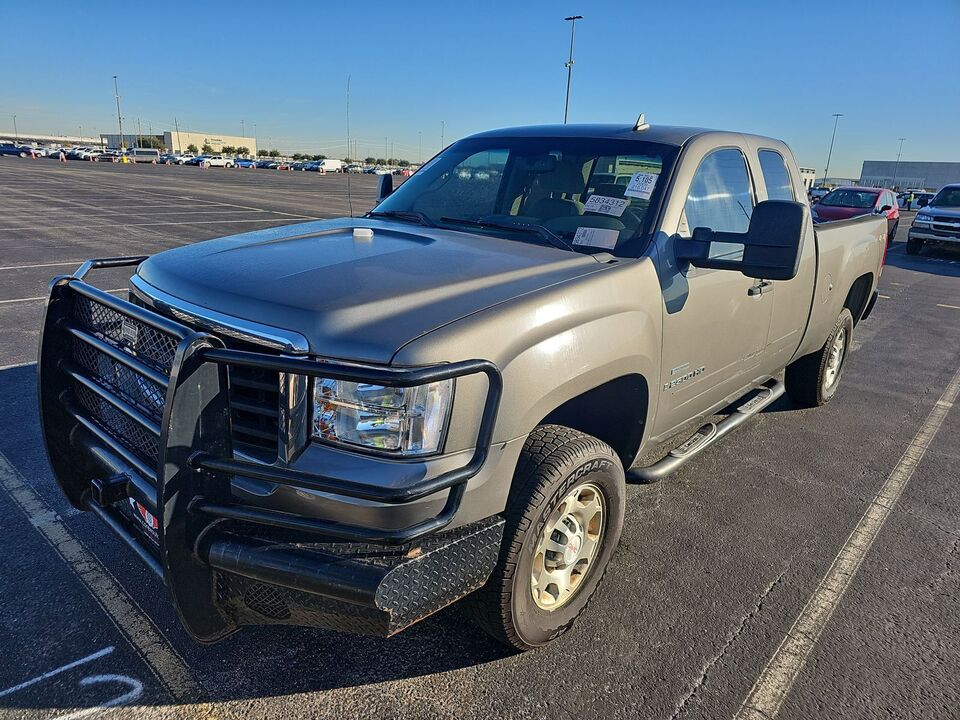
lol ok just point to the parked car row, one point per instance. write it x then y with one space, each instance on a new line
852 201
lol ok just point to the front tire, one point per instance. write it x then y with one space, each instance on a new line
563 523
914 246
813 379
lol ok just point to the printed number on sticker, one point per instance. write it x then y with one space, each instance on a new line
641 185
605 205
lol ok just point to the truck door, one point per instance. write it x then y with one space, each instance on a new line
790 298
715 322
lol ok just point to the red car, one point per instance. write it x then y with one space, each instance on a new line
846 202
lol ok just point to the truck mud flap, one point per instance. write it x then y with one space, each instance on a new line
136 422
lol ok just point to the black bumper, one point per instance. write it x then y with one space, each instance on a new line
135 416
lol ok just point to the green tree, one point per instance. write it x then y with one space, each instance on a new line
403 163
150 141
228 150
207 149
243 150
263 153
381 161
298 156
319 157
369 160
274 153
191 148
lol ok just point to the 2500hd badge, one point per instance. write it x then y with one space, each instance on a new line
354 423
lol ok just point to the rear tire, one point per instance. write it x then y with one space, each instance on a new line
914 246
562 476
813 379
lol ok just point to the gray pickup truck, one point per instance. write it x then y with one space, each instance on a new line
354 423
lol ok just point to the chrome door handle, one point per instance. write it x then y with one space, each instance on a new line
758 289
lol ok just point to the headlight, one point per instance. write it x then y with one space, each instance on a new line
406 421
923 220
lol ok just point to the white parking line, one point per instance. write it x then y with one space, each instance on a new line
44 297
154 224
144 636
14 366
951 307
56 264
63 668
771 688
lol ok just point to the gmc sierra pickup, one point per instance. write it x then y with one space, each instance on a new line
354 423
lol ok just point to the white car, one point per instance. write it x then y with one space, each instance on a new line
184 158
218 161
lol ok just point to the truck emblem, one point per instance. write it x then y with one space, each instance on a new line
683 378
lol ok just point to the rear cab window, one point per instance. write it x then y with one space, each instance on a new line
776 176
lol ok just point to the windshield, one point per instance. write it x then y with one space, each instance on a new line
947 197
586 194
850 199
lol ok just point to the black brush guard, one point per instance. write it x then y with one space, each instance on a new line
135 415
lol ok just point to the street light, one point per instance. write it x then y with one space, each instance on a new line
836 119
116 92
569 64
420 150
16 135
897 166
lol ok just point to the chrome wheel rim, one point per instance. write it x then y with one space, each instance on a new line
835 359
567 547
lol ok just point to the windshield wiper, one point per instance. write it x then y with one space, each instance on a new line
407 215
545 233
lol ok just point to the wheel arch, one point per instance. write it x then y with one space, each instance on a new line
615 412
858 296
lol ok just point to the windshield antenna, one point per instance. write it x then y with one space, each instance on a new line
349 196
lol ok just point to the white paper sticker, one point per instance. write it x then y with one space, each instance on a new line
641 185
596 237
605 205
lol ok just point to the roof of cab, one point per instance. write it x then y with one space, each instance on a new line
666 134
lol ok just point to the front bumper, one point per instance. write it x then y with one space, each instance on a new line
134 409
929 235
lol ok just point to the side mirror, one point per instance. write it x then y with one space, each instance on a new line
923 202
771 245
385 187
886 208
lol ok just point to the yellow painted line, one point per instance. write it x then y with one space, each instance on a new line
772 687
950 307
143 635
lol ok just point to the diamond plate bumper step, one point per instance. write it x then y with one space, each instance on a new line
354 587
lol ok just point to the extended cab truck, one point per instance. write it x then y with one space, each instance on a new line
353 423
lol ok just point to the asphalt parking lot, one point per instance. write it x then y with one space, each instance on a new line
716 563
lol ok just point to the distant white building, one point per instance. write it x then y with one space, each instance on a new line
929 175
808 176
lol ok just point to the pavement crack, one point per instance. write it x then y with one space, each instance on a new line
728 643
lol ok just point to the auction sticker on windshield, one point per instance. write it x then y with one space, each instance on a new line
605 205
641 185
596 237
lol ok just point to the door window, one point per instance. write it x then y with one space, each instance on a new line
720 198
776 177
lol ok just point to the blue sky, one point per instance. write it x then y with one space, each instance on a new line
774 67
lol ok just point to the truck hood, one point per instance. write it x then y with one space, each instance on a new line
354 298
943 211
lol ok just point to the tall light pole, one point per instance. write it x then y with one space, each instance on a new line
420 150
16 134
116 93
242 133
836 119
897 166
569 64
81 133
443 129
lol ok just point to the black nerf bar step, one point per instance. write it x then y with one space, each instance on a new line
365 588
708 434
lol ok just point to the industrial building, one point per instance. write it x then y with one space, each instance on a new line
179 141
808 176
927 175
